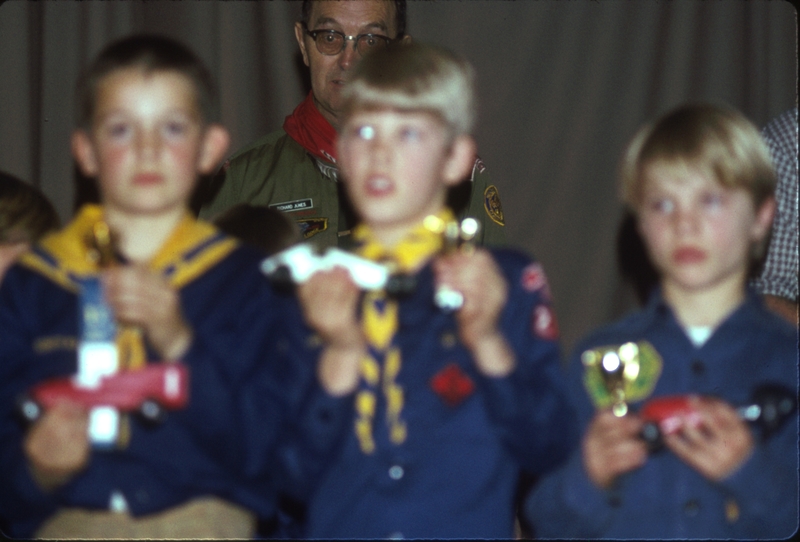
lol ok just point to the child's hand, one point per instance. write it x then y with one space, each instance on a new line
57 445
612 447
143 298
329 300
714 442
485 292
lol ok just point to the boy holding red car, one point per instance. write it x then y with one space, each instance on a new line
700 182
136 281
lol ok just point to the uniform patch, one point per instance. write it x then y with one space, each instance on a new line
329 171
479 166
544 323
491 203
328 155
296 205
534 280
452 384
640 369
310 227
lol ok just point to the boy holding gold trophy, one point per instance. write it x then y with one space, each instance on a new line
137 284
666 396
459 387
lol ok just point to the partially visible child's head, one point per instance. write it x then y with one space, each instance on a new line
26 215
700 182
718 142
404 138
259 226
146 129
414 77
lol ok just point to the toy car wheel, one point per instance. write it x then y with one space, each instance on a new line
152 412
29 410
651 435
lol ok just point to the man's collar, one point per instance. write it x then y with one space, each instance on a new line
312 131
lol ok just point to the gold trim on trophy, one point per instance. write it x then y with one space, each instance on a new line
101 243
619 368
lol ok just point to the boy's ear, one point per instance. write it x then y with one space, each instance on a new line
84 154
215 143
460 161
764 216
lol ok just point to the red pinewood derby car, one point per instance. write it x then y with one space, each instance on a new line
149 391
770 406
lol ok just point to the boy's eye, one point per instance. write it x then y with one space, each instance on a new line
175 128
366 132
662 206
118 130
410 134
712 200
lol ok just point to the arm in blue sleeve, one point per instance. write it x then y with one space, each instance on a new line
565 503
23 502
530 405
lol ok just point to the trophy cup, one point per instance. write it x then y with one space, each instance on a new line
618 368
107 350
455 236
98 355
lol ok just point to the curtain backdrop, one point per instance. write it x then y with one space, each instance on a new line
563 85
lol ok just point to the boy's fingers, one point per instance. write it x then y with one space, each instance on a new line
714 441
721 414
66 410
606 457
619 427
629 456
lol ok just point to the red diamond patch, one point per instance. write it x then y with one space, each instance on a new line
452 385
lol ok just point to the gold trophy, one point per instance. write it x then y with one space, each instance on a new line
101 245
455 237
618 367
125 341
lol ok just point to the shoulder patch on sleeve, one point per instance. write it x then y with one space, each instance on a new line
544 323
491 203
533 279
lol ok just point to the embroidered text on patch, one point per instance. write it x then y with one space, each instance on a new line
51 343
295 205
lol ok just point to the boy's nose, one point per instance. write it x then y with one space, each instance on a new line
380 151
686 220
149 143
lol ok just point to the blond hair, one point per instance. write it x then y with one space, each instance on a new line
415 77
716 141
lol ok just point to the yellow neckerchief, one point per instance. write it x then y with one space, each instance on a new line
379 321
64 257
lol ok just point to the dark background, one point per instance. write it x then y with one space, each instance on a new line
563 85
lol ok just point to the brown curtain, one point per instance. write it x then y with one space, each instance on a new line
563 85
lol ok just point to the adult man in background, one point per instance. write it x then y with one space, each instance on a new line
294 169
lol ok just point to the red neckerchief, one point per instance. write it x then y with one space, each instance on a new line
308 127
